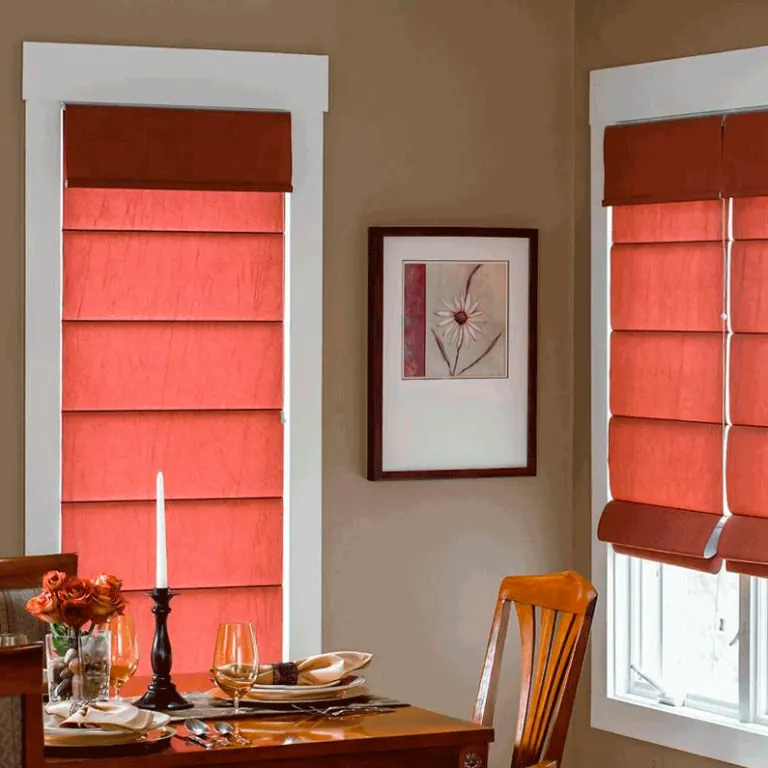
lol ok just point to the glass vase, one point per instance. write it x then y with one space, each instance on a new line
77 665
95 650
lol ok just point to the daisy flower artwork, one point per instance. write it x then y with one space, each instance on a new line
455 319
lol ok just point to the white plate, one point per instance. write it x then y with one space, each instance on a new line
73 749
338 684
350 686
313 698
56 736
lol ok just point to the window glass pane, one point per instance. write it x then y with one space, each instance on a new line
700 633
649 649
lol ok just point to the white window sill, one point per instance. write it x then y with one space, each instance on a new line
682 728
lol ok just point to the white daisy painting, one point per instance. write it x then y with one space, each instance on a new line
455 319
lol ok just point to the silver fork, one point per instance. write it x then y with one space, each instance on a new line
339 711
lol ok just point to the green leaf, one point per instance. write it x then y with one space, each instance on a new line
62 638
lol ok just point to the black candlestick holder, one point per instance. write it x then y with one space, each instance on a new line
161 693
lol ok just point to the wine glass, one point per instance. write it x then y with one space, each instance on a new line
125 651
236 660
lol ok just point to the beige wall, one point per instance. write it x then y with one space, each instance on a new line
442 112
610 33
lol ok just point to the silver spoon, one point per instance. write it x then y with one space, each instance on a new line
226 730
194 740
200 729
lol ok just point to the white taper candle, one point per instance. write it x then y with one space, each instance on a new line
161 554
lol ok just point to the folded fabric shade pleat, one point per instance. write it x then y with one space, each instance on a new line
664 161
745 154
744 545
187 149
667 535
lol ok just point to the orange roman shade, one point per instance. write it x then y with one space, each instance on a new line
185 149
665 447
661 162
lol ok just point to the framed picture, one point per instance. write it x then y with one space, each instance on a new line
452 352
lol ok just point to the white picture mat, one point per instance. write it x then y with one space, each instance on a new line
457 423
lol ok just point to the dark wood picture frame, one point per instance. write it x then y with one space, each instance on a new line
376 238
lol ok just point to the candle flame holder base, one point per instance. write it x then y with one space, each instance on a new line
161 693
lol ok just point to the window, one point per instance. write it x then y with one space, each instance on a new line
283 83
683 636
679 260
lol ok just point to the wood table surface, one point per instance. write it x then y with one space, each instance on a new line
409 737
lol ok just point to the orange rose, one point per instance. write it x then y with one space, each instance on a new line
105 580
53 580
108 598
45 607
76 589
76 597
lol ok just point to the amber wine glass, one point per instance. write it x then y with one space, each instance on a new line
125 651
236 660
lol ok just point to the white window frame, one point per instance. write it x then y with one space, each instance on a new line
55 74
698 85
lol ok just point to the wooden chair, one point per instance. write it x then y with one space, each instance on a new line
28 572
20 668
555 615
20 579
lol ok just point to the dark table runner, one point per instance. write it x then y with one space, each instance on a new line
205 707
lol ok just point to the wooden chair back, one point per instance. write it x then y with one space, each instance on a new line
20 676
28 572
21 666
555 615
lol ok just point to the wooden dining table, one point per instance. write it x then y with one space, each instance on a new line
408 737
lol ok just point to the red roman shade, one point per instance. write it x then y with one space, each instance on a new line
666 383
667 161
172 359
148 148
688 456
745 539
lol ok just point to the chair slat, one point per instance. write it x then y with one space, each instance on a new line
555 677
486 697
543 651
526 616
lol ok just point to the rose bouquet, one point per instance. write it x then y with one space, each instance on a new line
74 609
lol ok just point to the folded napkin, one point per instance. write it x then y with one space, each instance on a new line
323 669
105 715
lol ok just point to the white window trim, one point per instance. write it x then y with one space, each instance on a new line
55 74
721 82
